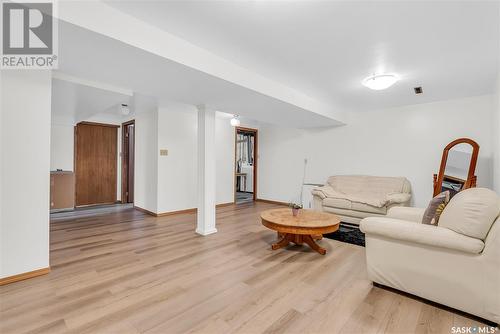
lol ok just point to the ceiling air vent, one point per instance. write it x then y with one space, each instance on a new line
418 90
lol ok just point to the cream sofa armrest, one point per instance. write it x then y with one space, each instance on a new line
398 198
322 192
421 234
406 213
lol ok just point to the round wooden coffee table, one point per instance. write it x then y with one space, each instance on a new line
306 227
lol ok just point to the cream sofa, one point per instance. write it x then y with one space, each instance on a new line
456 263
354 197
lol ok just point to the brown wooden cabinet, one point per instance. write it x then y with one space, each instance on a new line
62 190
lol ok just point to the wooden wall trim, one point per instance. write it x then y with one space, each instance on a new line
138 208
23 276
178 212
224 204
271 201
100 124
163 214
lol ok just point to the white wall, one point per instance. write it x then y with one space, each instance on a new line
405 141
61 147
177 172
496 125
224 164
174 127
496 132
25 139
1 176
146 160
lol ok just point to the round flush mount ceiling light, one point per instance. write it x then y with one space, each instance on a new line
380 81
235 121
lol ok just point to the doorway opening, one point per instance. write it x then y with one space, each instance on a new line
128 161
245 175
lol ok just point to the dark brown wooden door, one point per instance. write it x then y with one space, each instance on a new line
95 163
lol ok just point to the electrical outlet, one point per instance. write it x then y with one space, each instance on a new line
163 152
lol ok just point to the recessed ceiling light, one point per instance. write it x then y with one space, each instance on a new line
380 81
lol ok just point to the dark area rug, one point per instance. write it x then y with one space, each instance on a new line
348 233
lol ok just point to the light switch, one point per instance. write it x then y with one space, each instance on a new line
163 152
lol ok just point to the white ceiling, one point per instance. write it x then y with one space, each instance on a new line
90 56
325 49
73 102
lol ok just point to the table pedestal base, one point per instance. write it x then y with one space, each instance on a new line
299 239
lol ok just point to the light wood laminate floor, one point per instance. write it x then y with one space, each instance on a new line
127 272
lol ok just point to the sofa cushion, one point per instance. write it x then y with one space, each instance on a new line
471 212
341 203
381 185
369 208
351 213
422 234
410 214
435 208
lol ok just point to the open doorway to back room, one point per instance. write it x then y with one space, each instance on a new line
128 158
245 165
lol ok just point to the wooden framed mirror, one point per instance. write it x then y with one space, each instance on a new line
458 165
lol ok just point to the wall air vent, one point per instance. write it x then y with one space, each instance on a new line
418 90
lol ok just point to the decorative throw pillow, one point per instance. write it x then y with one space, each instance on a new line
435 208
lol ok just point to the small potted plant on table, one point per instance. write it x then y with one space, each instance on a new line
295 208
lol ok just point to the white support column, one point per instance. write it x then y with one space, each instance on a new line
206 171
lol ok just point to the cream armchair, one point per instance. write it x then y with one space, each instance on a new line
456 263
